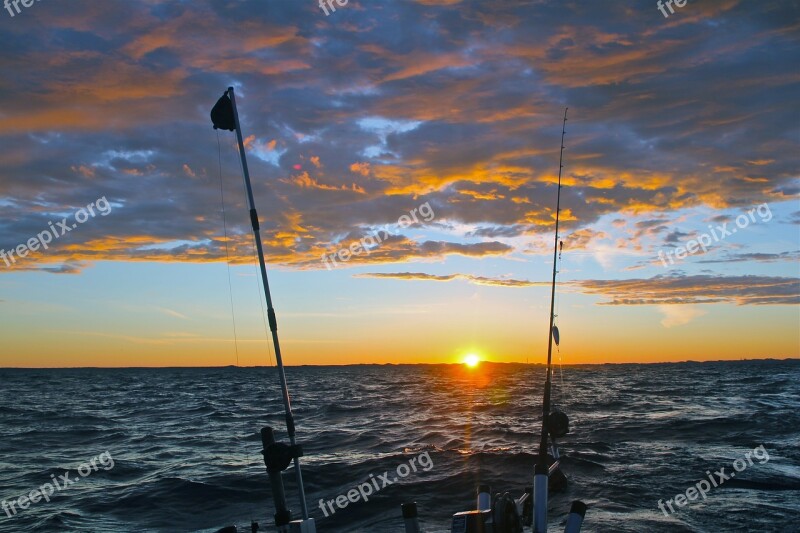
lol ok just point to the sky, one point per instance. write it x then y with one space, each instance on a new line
404 157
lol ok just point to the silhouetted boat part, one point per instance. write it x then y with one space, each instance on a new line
504 513
278 456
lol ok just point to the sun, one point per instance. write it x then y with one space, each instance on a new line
472 360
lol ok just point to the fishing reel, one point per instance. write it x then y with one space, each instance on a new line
557 427
503 514
277 458
277 455
506 514
557 423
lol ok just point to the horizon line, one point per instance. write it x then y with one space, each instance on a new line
686 361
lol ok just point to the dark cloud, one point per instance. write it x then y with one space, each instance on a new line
699 289
355 118
399 249
756 257
475 280
676 236
660 290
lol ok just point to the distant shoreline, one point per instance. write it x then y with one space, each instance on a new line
688 361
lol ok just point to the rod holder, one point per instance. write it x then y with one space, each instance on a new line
575 517
484 498
540 498
410 517
282 513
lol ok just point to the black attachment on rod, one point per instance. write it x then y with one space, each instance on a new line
226 116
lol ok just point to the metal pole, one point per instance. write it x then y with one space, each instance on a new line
273 323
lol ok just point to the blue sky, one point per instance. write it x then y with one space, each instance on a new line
354 119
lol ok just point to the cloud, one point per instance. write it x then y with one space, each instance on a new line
679 315
463 112
69 267
676 236
360 168
172 313
400 249
792 256
475 280
668 293
698 289
303 180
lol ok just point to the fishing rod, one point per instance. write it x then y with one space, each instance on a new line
548 380
555 423
503 513
277 456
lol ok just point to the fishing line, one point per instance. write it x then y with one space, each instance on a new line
558 311
227 254
248 452
251 455
260 288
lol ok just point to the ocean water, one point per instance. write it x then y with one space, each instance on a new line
178 450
